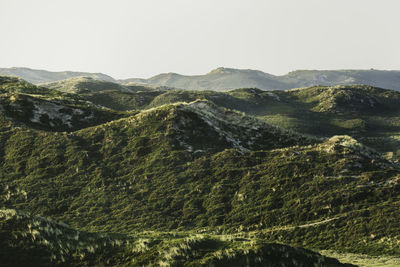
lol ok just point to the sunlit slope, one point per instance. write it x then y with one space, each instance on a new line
27 105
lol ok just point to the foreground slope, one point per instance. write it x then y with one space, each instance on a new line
34 240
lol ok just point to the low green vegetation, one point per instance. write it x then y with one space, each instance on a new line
41 108
190 177
363 260
38 241
81 85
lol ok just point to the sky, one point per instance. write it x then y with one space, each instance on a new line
142 38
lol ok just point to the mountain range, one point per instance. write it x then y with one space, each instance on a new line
223 79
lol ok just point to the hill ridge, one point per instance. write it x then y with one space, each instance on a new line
222 79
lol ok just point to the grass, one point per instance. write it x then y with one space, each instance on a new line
35 240
141 173
363 260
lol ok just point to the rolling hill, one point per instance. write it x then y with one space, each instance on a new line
25 104
369 114
193 176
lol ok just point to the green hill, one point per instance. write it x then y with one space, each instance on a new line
367 113
82 85
195 164
108 94
24 104
85 84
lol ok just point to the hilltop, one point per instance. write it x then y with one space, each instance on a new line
42 76
80 85
108 94
223 79
22 103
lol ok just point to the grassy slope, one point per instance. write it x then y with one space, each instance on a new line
41 108
317 110
108 94
200 166
364 260
81 85
138 173
34 240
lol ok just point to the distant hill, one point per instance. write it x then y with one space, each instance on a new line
90 84
378 78
226 78
223 79
219 79
43 76
108 94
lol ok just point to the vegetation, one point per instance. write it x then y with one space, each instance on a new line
367 113
41 108
364 260
191 177
38 241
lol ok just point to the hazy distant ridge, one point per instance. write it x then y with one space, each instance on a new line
43 76
222 79
226 78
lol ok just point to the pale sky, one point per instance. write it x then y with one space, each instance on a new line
142 38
